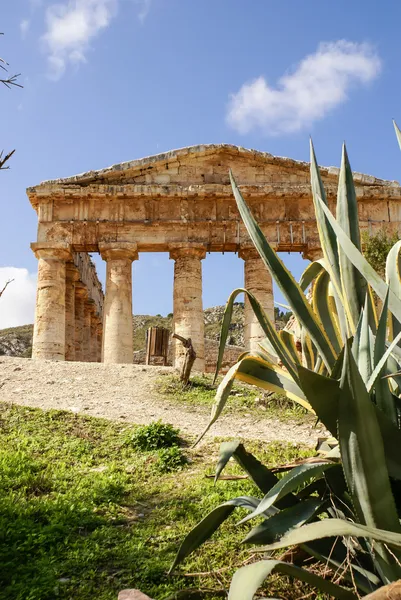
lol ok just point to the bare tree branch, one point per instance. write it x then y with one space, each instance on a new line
6 284
5 159
9 82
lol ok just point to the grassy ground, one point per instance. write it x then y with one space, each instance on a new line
83 514
243 398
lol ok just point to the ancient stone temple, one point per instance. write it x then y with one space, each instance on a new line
178 202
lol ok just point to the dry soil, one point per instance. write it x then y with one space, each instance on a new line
129 393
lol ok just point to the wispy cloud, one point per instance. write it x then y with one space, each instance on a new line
70 27
144 9
319 83
17 304
24 26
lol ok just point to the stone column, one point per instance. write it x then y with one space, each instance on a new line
188 308
94 322
118 343
81 294
86 354
99 334
49 328
72 276
257 280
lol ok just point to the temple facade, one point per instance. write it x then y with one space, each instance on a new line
178 202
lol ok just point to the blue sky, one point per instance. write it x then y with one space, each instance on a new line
112 80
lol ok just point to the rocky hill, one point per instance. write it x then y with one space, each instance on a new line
17 341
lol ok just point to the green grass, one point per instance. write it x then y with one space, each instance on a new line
244 399
83 514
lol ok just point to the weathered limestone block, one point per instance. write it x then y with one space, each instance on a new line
187 302
118 344
72 276
81 294
49 329
257 280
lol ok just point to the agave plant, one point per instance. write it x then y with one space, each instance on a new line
344 509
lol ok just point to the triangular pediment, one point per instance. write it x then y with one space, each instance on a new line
207 164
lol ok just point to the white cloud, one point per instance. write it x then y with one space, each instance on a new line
17 304
319 83
70 28
144 9
24 26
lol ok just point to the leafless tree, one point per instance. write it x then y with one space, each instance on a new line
9 81
6 284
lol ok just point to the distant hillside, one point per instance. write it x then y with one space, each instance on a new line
17 341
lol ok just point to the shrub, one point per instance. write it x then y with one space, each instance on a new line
170 459
154 436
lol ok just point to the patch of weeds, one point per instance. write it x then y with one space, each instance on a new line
170 459
154 436
243 398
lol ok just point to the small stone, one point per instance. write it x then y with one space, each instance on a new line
18 369
132 595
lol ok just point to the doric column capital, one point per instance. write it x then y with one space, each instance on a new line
91 306
71 272
81 290
248 253
51 250
312 254
118 250
183 249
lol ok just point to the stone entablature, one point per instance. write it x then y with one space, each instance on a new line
185 195
181 202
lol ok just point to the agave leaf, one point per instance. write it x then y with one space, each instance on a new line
365 346
283 521
383 396
321 306
268 328
364 459
327 235
256 371
363 452
397 133
393 279
310 273
307 350
338 313
288 339
248 579
332 528
352 284
285 280
203 530
323 394
297 477
262 477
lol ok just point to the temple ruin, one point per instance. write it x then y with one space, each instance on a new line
178 202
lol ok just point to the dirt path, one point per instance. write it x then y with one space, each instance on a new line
129 393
